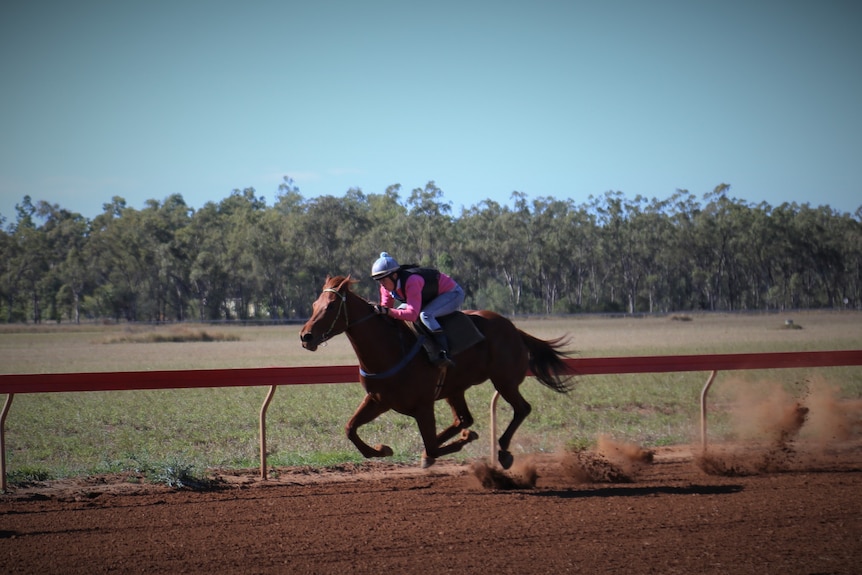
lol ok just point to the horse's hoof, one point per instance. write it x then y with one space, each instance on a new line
505 458
468 435
427 462
384 450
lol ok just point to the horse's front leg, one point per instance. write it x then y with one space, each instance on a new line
367 411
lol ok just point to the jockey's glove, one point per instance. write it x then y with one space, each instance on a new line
381 309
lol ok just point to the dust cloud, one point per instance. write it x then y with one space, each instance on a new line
610 462
775 430
771 430
523 475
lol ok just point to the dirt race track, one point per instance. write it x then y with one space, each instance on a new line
664 516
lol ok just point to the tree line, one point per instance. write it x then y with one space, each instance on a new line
241 259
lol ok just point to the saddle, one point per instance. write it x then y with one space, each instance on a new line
460 330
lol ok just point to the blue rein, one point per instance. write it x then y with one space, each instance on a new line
392 370
397 367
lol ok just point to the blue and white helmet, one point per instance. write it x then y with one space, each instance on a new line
383 266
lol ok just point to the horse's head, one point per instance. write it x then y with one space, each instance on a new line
329 313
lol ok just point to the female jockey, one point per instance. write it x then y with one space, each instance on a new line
409 292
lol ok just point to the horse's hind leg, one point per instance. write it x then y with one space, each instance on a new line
367 411
427 428
520 410
462 420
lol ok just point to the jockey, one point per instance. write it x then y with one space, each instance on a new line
409 293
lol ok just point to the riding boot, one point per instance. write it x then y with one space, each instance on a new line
443 360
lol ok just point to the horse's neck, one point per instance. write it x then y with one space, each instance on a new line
375 340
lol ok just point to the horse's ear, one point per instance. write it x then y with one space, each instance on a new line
345 284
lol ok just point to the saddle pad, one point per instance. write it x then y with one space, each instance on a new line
461 331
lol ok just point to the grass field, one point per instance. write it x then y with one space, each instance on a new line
64 434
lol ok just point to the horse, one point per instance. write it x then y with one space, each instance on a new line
395 375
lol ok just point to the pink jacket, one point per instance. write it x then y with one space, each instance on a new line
413 292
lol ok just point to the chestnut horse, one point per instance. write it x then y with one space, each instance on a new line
397 375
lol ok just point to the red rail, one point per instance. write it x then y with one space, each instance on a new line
275 376
177 379
715 362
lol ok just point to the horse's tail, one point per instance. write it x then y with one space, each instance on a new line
547 361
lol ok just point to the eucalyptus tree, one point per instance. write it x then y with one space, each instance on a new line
323 236
123 263
621 247
25 265
553 251
68 274
6 255
10 253
749 251
170 280
355 233
331 230
712 246
683 254
513 252
821 249
736 228
389 225
388 229
654 234
429 233
480 234
763 251
579 232
141 259
209 275
281 255
779 257
239 214
275 261
850 240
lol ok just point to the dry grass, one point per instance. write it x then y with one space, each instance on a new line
68 348
175 335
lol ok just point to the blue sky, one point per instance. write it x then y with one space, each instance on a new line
565 99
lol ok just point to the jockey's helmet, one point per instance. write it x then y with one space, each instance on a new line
383 266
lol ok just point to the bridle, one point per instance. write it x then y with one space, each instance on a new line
342 307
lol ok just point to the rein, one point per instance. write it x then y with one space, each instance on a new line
398 366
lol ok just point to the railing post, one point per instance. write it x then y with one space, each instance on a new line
6 405
493 431
703 410
263 409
